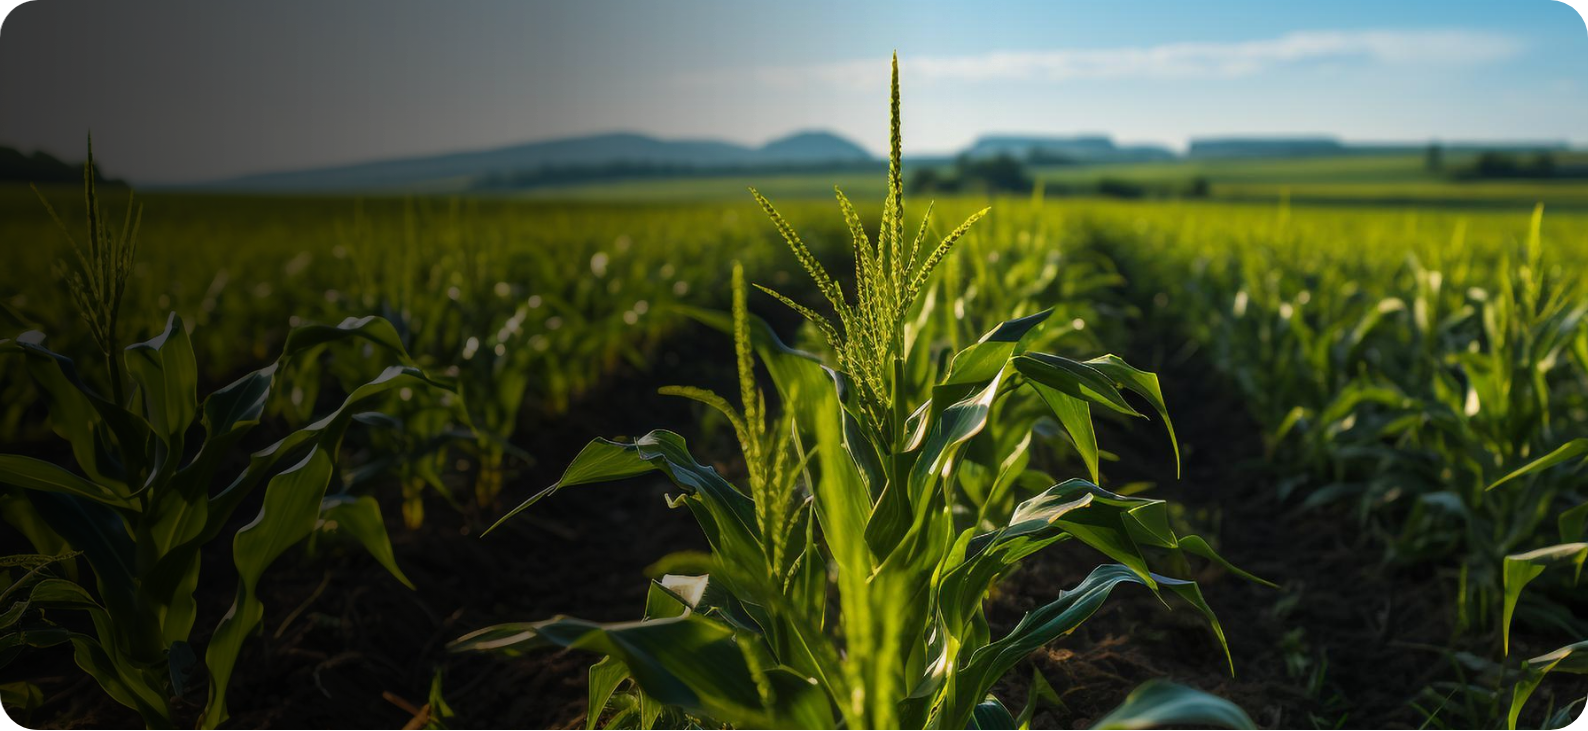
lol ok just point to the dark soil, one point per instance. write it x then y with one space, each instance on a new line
346 646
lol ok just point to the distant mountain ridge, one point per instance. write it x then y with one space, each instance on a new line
462 169
624 155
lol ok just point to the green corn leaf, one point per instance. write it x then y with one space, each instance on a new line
30 473
61 594
687 661
166 372
1011 471
1040 691
725 514
1196 545
72 414
681 562
440 710
1143 384
1075 415
325 434
1192 594
1162 704
604 460
238 405
982 360
227 415
360 517
177 519
12 614
989 555
1572 658
376 330
605 677
71 402
955 426
970 370
991 714
20 699
1563 453
1351 398
1522 568
675 594
291 506
120 678
1037 628
1073 378
1111 524
180 519
100 533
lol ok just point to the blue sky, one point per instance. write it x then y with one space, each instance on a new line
185 90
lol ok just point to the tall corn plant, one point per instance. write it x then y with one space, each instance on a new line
145 491
853 491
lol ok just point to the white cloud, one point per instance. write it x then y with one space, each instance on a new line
1188 60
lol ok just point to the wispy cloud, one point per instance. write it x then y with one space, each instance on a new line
1166 61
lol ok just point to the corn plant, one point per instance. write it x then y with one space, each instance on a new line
1020 268
1442 401
515 328
1490 408
145 491
852 490
1522 568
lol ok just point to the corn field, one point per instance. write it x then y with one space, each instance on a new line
978 462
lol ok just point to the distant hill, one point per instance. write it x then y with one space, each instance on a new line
1077 148
1323 146
42 168
811 147
466 169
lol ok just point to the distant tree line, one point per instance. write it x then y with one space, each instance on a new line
1508 165
1001 174
42 168
1502 165
1196 187
1005 174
